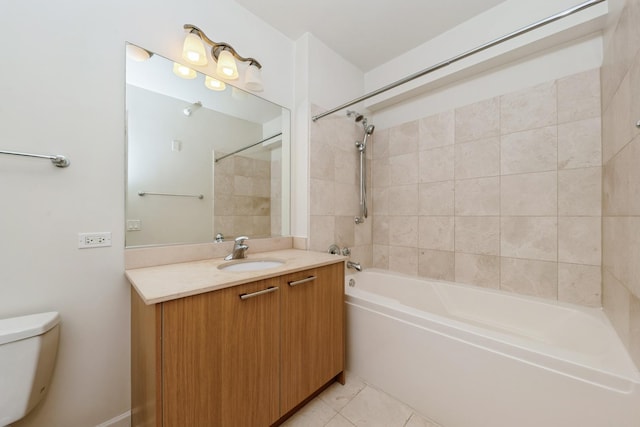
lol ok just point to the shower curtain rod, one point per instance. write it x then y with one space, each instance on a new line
247 147
466 54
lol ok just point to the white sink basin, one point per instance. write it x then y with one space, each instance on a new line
250 265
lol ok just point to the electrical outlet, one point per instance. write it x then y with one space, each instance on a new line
94 240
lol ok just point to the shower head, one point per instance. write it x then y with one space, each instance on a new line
191 108
358 116
369 129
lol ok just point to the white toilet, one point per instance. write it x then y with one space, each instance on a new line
28 347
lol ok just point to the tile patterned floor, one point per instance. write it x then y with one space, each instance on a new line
356 404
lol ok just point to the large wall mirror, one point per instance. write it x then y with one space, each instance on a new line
201 162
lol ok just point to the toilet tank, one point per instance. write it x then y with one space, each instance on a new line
28 348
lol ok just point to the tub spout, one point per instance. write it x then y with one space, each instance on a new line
356 265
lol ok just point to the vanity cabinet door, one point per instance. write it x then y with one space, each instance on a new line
221 357
312 331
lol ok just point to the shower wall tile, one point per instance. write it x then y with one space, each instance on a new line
579 240
403 260
528 109
380 145
381 256
322 231
346 198
323 200
477 158
380 202
437 264
529 277
621 181
580 284
529 194
436 164
404 199
480 270
436 198
618 124
403 231
345 231
477 235
362 235
616 301
533 150
403 169
477 121
344 160
403 139
436 232
380 172
580 144
479 196
580 192
436 131
380 230
534 238
579 96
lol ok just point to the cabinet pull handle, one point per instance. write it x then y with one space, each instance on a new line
262 292
300 282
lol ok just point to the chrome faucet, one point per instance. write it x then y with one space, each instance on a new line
356 265
239 249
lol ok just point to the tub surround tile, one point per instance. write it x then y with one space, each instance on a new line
621 250
344 160
621 182
477 121
616 301
580 284
380 230
322 232
346 199
477 158
580 192
323 198
374 408
403 139
403 231
436 198
579 96
529 237
403 260
436 164
478 196
436 232
322 166
479 270
344 231
533 150
436 131
403 169
437 264
529 108
380 146
634 329
380 201
529 277
580 144
380 172
617 123
363 232
579 240
529 194
404 199
477 235
381 256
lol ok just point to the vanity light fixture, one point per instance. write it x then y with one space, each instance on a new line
225 56
183 71
214 84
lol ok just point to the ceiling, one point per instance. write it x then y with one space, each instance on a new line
367 33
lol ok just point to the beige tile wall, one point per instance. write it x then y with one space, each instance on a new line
621 177
334 188
504 193
242 204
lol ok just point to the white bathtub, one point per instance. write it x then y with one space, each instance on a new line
470 357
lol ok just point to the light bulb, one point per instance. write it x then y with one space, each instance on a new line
227 67
183 71
193 50
214 84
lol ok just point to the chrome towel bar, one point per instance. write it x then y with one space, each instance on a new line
58 160
145 193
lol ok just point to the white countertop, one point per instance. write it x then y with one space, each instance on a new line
167 282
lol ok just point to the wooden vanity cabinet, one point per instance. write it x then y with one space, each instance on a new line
215 359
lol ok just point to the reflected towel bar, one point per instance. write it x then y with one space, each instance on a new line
59 161
144 193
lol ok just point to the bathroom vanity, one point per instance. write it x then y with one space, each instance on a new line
212 347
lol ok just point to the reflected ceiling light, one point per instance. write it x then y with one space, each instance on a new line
225 56
183 71
137 53
214 84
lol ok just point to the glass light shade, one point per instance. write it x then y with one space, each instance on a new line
227 67
193 50
252 80
214 84
137 54
183 71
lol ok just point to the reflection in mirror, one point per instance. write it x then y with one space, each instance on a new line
201 162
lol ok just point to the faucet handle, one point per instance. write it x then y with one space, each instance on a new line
240 240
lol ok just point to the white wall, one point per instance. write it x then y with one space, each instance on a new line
62 84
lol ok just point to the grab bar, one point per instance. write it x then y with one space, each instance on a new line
58 160
144 193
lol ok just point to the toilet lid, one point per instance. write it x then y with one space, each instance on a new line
18 328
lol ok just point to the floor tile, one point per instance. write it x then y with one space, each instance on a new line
417 421
337 395
339 421
373 408
314 414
